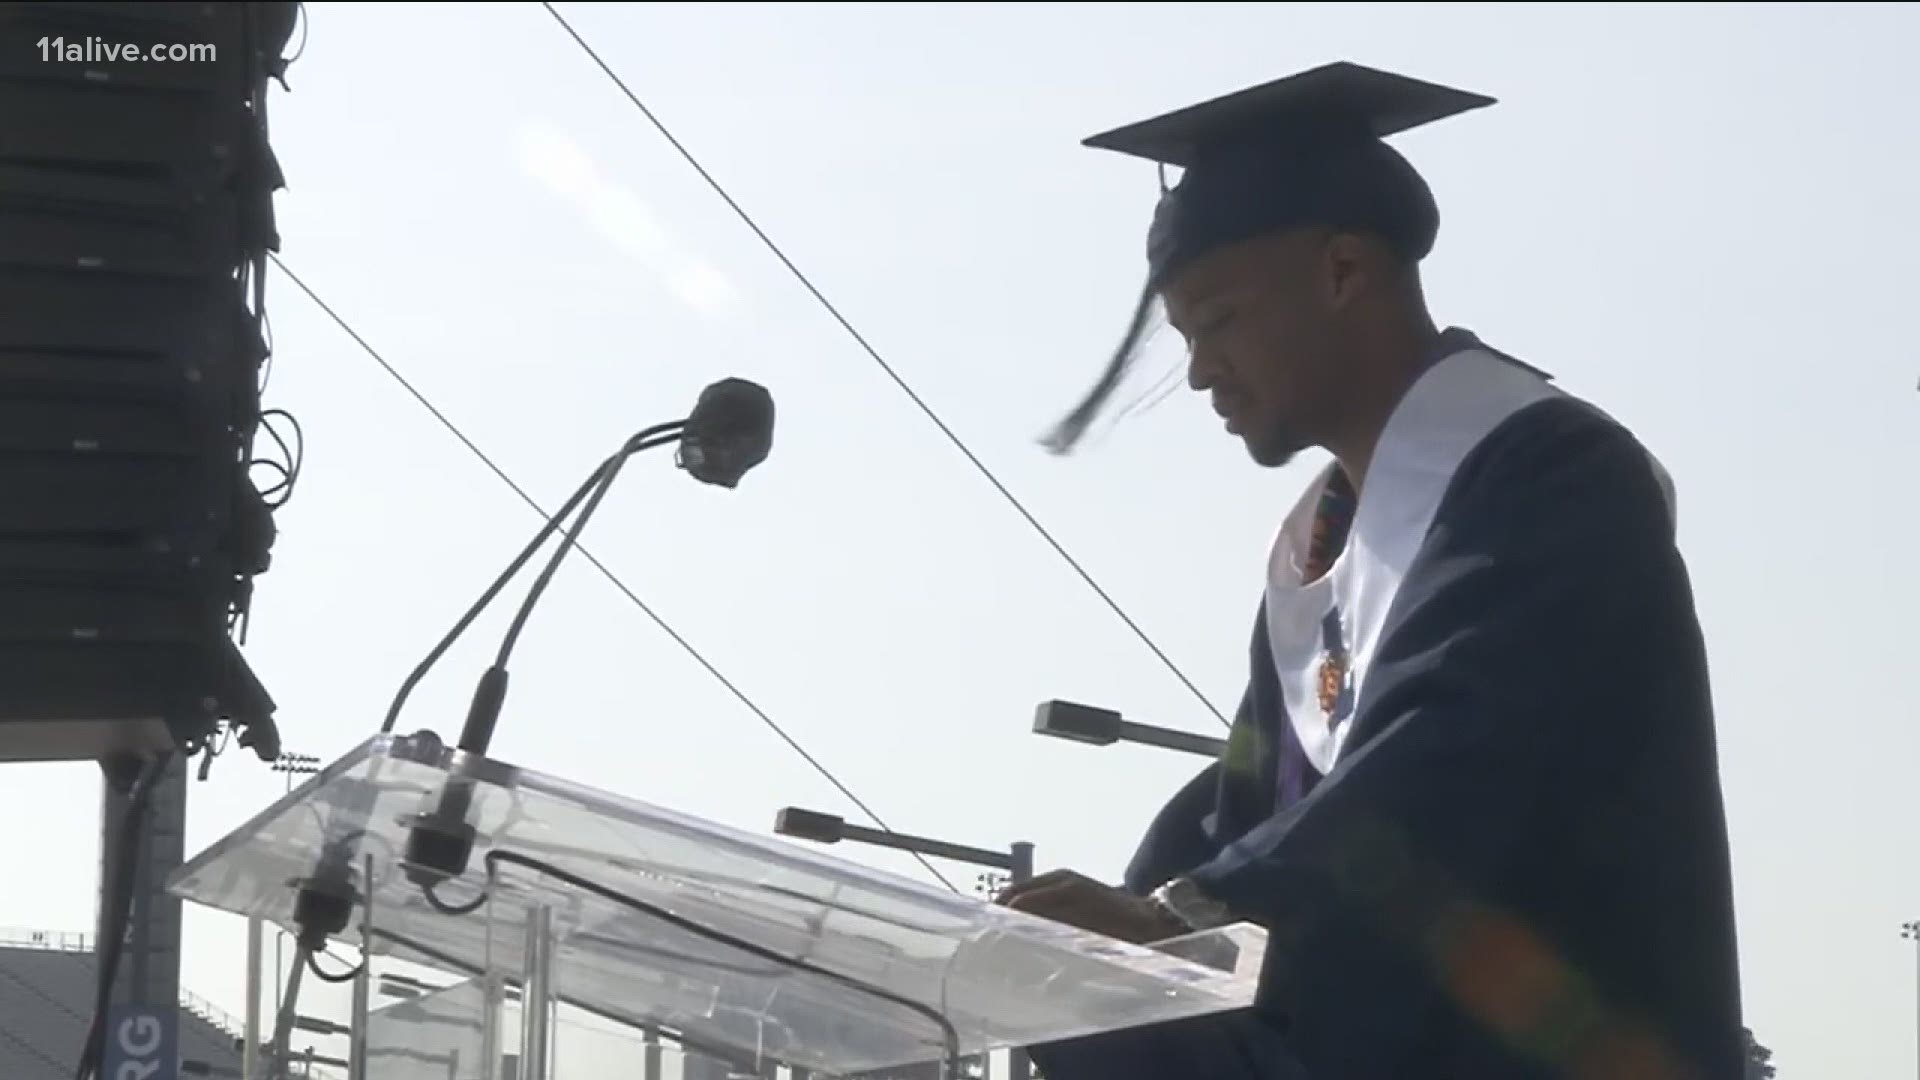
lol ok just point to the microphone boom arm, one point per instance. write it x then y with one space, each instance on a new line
477 733
595 485
659 435
728 432
440 842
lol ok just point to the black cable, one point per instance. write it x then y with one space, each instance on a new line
300 10
738 694
656 953
480 901
274 494
313 965
444 908
950 1036
874 354
116 911
292 456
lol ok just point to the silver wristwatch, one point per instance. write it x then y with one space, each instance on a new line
1185 901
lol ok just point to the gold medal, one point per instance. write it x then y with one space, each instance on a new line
1333 679
1335 684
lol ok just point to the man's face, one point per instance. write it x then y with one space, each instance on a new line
1258 319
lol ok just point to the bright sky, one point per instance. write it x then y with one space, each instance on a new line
1702 220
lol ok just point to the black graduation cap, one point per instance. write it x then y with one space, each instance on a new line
1307 149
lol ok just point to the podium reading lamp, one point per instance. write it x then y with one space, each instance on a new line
1104 727
823 828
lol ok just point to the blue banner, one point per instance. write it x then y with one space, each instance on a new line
143 1043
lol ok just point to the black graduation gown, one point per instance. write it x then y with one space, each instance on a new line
1518 865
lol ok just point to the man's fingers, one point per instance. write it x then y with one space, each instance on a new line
1044 897
1068 900
1070 905
1048 880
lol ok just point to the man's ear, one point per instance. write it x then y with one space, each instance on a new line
1347 265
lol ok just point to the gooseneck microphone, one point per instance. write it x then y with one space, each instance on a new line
644 440
729 431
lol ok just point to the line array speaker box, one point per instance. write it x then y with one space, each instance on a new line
136 214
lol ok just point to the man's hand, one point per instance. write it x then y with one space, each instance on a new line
1064 896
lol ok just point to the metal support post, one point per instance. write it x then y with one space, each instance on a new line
357 1037
650 1060
362 984
493 985
1911 931
250 1045
1019 1066
536 996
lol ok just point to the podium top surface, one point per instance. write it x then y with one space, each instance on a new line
748 947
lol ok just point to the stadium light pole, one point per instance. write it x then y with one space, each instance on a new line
292 765
1095 726
821 828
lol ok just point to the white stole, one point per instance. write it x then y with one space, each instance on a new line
1446 414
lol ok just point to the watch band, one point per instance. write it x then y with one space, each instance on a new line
1190 906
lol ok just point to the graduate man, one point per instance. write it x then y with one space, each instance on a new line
1471 791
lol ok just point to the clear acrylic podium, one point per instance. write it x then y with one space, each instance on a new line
744 949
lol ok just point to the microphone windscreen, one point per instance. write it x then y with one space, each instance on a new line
729 431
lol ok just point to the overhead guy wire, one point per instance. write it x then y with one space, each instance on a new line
860 340
646 609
